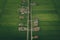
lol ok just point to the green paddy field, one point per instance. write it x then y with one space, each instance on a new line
47 11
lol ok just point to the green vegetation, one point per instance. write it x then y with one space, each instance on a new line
47 11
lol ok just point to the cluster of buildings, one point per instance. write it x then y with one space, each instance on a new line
24 9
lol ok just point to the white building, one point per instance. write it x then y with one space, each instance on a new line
36 22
